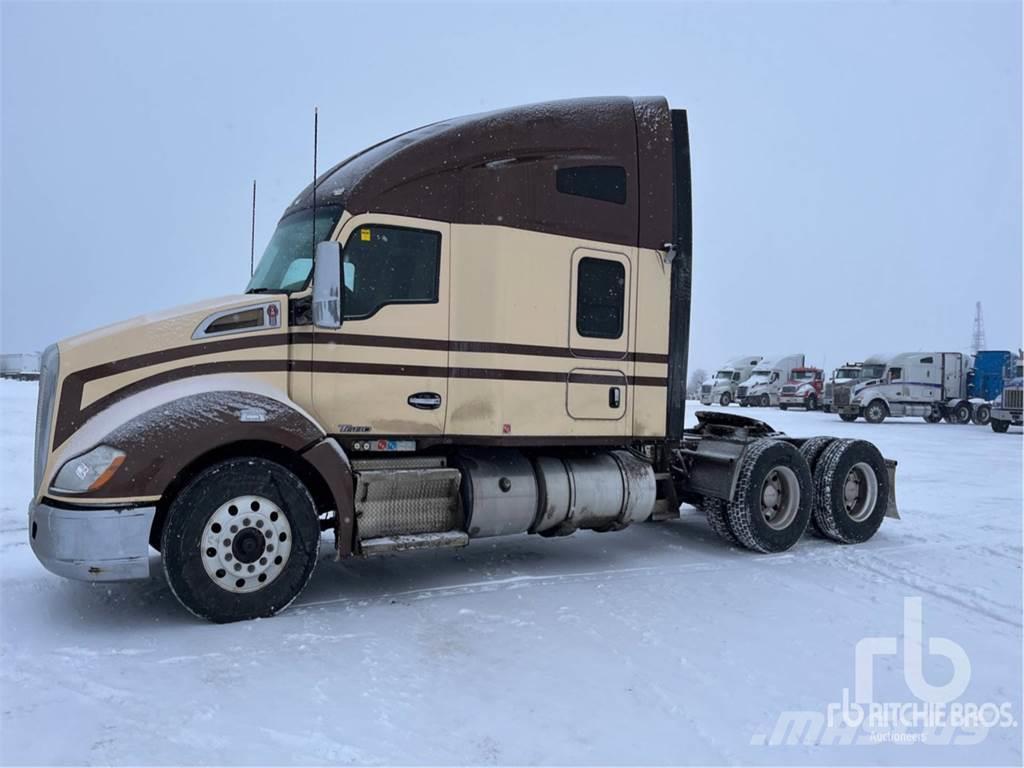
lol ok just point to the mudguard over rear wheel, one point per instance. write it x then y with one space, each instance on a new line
851 485
241 540
772 505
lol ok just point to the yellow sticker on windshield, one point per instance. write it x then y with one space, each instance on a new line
364 234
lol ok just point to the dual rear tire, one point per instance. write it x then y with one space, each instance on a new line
839 488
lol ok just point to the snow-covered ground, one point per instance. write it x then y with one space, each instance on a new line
656 645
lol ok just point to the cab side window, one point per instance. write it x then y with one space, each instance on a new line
895 374
390 265
601 298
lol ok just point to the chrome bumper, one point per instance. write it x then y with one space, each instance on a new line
1005 414
92 544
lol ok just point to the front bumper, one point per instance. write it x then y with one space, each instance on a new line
92 544
847 410
796 400
1004 414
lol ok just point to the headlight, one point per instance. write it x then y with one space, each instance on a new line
89 471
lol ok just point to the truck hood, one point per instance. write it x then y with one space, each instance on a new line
755 381
151 332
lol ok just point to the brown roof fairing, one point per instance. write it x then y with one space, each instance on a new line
499 168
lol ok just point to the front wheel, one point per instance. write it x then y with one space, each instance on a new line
999 426
848 416
982 415
812 403
772 504
241 540
783 406
876 412
765 401
725 399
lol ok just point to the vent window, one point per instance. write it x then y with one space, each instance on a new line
600 298
598 182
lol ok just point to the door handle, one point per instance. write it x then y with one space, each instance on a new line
614 397
425 401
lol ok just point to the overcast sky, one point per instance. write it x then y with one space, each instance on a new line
856 166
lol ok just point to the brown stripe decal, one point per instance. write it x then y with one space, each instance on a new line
70 416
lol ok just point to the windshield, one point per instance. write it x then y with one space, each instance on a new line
723 375
872 371
763 374
803 375
288 260
845 373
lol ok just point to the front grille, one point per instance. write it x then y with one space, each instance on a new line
49 363
841 396
741 392
1013 398
828 389
705 389
789 390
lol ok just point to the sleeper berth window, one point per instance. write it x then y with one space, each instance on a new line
598 182
600 298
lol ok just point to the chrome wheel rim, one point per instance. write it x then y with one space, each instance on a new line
860 492
780 498
246 544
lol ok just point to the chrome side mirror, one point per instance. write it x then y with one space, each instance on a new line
327 295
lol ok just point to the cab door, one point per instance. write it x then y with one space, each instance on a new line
384 374
599 332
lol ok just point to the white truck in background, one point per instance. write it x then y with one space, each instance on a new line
843 390
932 385
847 374
722 388
765 383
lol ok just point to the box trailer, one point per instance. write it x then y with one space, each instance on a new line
475 328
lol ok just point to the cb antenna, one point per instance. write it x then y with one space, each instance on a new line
252 233
316 117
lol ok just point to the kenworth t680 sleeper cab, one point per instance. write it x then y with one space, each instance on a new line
476 328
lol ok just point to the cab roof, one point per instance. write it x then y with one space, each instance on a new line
595 168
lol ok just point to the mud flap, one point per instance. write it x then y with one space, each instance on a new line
891 510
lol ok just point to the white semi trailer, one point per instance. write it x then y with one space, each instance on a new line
722 388
766 381
932 385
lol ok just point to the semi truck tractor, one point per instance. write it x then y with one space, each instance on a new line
1009 404
474 329
847 374
871 371
764 385
932 385
803 389
722 388
990 370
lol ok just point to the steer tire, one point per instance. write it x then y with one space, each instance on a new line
848 416
840 517
725 399
274 522
999 426
771 462
812 450
718 519
875 412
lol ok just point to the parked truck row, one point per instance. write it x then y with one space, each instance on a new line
935 386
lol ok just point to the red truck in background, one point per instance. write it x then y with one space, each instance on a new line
803 390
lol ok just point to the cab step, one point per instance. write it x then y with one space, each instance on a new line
383 545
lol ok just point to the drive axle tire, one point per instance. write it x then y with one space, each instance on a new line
851 485
241 540
772 505
718 519
875 412
962 414
934 417
848 416
783 406
982 414
999 426
812 450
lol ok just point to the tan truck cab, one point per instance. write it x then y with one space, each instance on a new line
476 328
